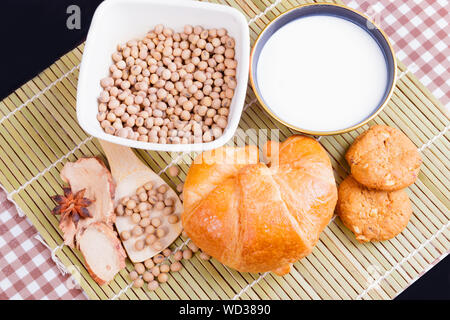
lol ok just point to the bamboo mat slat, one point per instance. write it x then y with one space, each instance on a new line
39 133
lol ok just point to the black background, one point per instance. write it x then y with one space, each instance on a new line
34 35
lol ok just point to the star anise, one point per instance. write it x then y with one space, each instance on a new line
73 206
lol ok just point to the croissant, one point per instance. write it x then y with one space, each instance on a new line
255 217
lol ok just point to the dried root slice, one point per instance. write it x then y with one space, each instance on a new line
92 175
102 251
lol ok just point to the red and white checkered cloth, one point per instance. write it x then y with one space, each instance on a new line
419 31
26 267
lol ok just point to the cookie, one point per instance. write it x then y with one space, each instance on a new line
372 215
384 158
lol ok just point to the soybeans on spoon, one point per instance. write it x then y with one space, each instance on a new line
130 173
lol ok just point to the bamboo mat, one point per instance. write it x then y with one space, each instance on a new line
39 133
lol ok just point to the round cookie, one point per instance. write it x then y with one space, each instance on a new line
372 215
384 158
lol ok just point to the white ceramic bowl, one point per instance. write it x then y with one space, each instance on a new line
117 21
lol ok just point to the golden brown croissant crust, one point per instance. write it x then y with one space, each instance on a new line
255 217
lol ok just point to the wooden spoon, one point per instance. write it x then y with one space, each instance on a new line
130 173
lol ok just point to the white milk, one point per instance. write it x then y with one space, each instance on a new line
322 73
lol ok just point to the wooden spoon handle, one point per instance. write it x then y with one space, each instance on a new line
122 160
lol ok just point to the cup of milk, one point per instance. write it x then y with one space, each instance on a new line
323 69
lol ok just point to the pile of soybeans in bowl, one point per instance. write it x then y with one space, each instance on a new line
170 87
